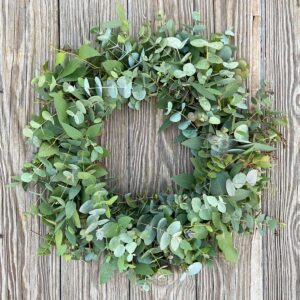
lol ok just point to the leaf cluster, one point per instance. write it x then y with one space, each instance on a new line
201 88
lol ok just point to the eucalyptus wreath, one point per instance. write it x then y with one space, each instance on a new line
201 87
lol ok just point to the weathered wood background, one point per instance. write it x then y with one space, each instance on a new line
268 34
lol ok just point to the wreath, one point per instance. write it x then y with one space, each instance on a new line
201 87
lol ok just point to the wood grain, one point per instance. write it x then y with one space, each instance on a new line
268 35
80 280
224 280
154 158
28 29
281 68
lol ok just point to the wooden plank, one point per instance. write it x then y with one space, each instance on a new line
154 157
282 52
80 280
25 24
242 280
3 261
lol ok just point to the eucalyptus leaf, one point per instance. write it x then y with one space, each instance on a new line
86 51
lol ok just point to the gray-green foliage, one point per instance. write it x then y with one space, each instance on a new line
200 86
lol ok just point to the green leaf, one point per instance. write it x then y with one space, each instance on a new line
226 245
138 92
230 188
215 120
130 247
194 268
112 65
272 223
205 104
143 269
175 242
69 68
241 133
196 16
98 86
261 147
47 116
86 207
111 229
216 45
239 180
203 91
221 206
119 251
165 241
199 43
72 132
74 191
252 177
184 180
125 86
61 250
196 204
194 143
225 53
124 221
212 200
175 43
148 235
205 213
86 51
231 89
80 106
169 107
213 58
184 125
106 271
70 209
26 177
84 175
174 227
59 58
61 106
231 65
112 89
58 238
185 245
175 117
45 208
86 86
27 132
47 150
39 172
93 131
240 195
218 184
122 18
167 123
202 64
199 231
112 200
179 74
189 69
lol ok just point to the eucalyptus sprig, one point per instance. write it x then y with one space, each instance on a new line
201 87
